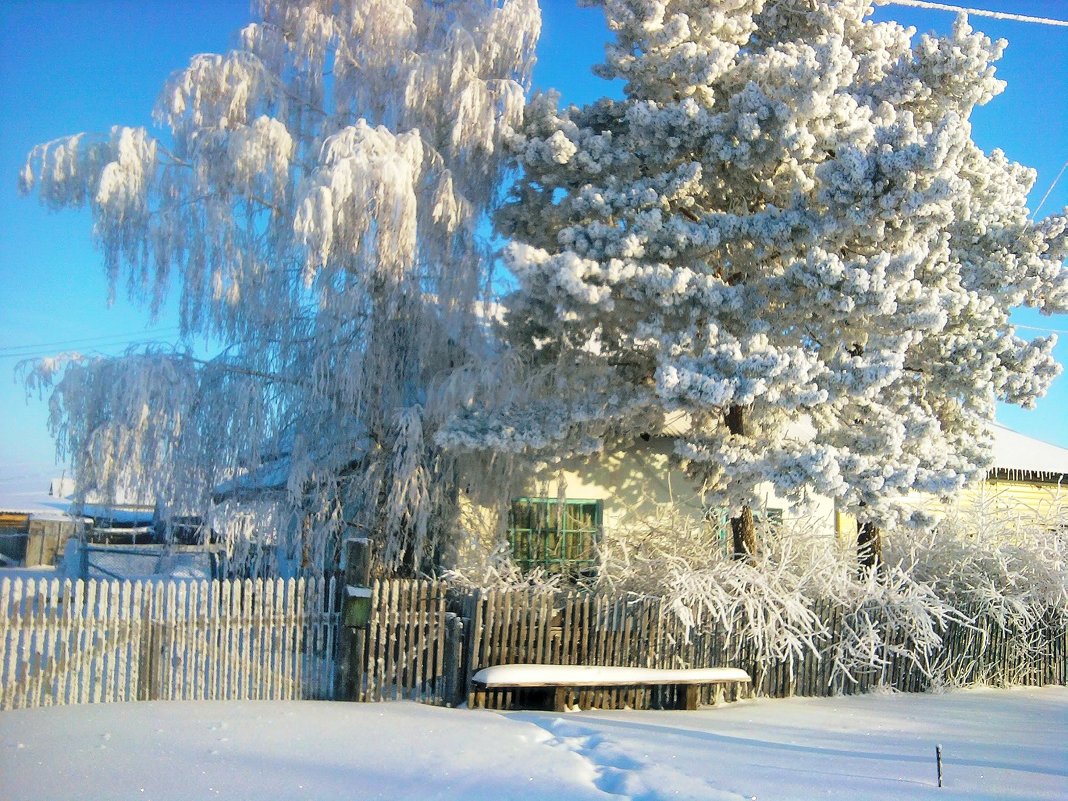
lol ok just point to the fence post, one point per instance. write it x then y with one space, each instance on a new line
454 644
351 638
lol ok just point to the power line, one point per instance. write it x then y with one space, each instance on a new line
123 338
1048 191
978 12
1040 328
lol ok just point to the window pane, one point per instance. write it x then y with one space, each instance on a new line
559 537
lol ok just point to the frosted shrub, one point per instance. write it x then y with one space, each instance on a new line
1003 572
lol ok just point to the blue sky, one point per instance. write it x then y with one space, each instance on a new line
84 65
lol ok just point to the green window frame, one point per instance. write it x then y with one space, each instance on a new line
559 536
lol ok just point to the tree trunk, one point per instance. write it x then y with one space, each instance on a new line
743 534
869 546
743 531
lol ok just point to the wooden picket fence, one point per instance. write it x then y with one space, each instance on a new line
99 641
591 629
406 652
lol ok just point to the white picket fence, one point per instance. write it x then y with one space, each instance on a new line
100 641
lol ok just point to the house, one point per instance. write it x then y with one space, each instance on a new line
1027 485
563 517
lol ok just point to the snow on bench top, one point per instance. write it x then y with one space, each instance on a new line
601 675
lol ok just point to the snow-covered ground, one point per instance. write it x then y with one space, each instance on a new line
997 744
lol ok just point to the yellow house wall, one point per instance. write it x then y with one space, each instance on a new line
643 496
1008 503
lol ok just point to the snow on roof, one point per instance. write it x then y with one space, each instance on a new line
268 477
34 489
1019 456
1025 457
27 488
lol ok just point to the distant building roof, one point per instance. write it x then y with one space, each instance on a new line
27 488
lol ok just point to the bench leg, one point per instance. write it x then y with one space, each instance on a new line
686 696
560 699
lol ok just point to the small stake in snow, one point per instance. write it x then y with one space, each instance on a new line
938 761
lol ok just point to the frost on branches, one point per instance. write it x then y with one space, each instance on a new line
316 195
784 221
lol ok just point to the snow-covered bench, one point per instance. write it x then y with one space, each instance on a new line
560 678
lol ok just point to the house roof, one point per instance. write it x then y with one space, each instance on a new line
1022 457
1016 456
31 489
27 488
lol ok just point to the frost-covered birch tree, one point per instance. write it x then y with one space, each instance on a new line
315 197
785 231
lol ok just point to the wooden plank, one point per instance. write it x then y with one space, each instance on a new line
226 636
282 616
31 676
212 612
414 639
235 641
23 615
136 632
475 640
314 636
546 615
308 667
265 639
404 636
183 630
382 627
75 612
297 643
424 650
42 653
286 595
382 641
123 636
203 639
424 662
439 653
368 688
392 619
87 670
258 626
507 643
332 623
621 648
247 678
491 642
603 605
193 676
585 649
109 676
7 618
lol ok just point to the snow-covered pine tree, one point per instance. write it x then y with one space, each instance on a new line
316 195
784 230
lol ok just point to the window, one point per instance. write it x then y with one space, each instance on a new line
559 536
